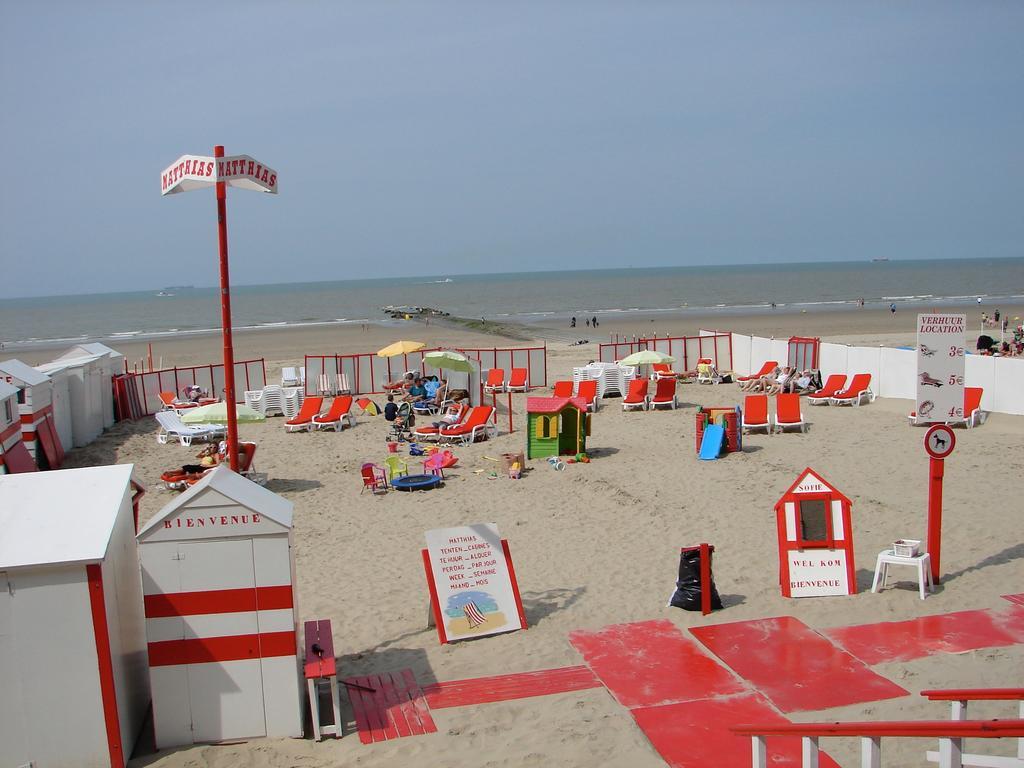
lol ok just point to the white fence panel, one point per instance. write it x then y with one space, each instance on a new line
898 371
1008 378
741 354
832 358
761 351
866 360
780 351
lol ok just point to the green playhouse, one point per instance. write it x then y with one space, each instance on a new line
556 426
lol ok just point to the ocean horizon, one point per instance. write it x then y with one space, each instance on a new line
524 297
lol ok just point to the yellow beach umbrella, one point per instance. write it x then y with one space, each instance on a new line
400 348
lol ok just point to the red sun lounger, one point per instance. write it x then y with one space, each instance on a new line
858 391
562 389
588 391
476 425
664 394
755 413
495 380
636 397
303 420
833 385
337 415
787 412
767 368
517 381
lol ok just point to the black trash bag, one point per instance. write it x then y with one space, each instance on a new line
688 592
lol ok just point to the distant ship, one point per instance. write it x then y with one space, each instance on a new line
446 280
164 293
881 258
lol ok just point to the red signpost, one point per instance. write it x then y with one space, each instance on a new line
194 172
939 442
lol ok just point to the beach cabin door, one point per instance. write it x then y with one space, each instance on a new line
13 729
223 696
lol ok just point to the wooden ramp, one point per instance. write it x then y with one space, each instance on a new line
388 706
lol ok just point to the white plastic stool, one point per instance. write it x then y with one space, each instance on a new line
922 562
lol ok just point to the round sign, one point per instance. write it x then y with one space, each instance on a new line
939 441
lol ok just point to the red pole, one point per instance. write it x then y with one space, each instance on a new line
936 469
510 430
225 317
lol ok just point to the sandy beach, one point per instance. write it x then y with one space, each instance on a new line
597 545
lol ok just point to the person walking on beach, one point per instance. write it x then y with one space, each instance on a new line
572 324
594 321
892 308
588 322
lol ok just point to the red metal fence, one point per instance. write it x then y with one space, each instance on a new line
138 394
687 350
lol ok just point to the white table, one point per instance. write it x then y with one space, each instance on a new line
922 562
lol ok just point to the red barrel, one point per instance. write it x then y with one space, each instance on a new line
732 442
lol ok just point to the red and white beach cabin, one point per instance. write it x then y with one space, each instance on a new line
74 687
815 539
221 618
14 456
35 406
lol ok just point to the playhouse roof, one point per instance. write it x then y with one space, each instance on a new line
810 481
554 404
225 483
7 390
25 373
60 517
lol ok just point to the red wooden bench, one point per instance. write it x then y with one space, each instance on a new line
320 666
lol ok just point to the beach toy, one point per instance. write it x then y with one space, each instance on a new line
711 445
557 463
415 449
515 471
582 458
392 447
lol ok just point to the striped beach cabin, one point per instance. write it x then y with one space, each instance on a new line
14 457
221 619
35 407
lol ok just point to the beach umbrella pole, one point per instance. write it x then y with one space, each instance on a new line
225 317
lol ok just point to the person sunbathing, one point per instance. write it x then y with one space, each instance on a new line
403 384
417 391
761 384
799 383
780 382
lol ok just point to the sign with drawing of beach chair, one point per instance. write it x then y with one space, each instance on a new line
473 589
940 367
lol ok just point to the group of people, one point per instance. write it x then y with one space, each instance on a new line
784 380
413 388
591 322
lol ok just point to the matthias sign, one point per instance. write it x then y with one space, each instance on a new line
190 172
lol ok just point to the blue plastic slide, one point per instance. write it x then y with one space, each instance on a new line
711 444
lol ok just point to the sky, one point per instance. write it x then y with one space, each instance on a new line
472 137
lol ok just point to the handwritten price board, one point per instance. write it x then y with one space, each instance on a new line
473 589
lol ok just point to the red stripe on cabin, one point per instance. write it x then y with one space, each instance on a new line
35 416
108 693
14 429
206 650
218 601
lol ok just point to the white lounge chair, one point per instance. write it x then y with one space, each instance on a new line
290 377
171 426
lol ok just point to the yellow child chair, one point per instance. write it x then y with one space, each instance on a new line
397 467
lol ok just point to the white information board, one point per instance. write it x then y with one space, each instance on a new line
474 591
940 367
818 573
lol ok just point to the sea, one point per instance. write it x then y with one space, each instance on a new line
520 297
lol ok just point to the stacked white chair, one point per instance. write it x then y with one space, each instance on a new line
291 401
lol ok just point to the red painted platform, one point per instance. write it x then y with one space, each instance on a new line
394 708
695 734
652 663
927 635
794 666
483 690
1018 599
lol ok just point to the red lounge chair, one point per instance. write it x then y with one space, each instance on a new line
662 371
172 403
973 415
495 380
517 381
477 424
429 432
858 391
664 394
767 368
636 397
755 413
787 412
587 389
337 415
833 385
303 420
562 389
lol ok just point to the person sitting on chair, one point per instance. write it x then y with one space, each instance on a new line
417 391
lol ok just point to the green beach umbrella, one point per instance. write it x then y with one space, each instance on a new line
448 360
647 357
217 413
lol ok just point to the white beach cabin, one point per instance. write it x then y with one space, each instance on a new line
72 634
14 456
218 575
86 395
110 363
35 404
